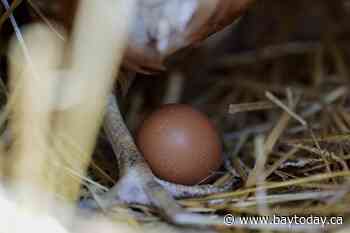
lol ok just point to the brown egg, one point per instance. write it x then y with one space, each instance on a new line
180 144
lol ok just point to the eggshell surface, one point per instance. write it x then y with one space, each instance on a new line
180 144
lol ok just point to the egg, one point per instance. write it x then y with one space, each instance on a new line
180 144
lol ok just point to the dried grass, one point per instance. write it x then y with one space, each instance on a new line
282 107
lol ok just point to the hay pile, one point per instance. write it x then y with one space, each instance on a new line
277 87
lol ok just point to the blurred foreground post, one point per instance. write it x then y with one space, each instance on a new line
99 40
54 139
32 95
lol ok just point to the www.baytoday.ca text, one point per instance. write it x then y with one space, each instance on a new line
230 219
